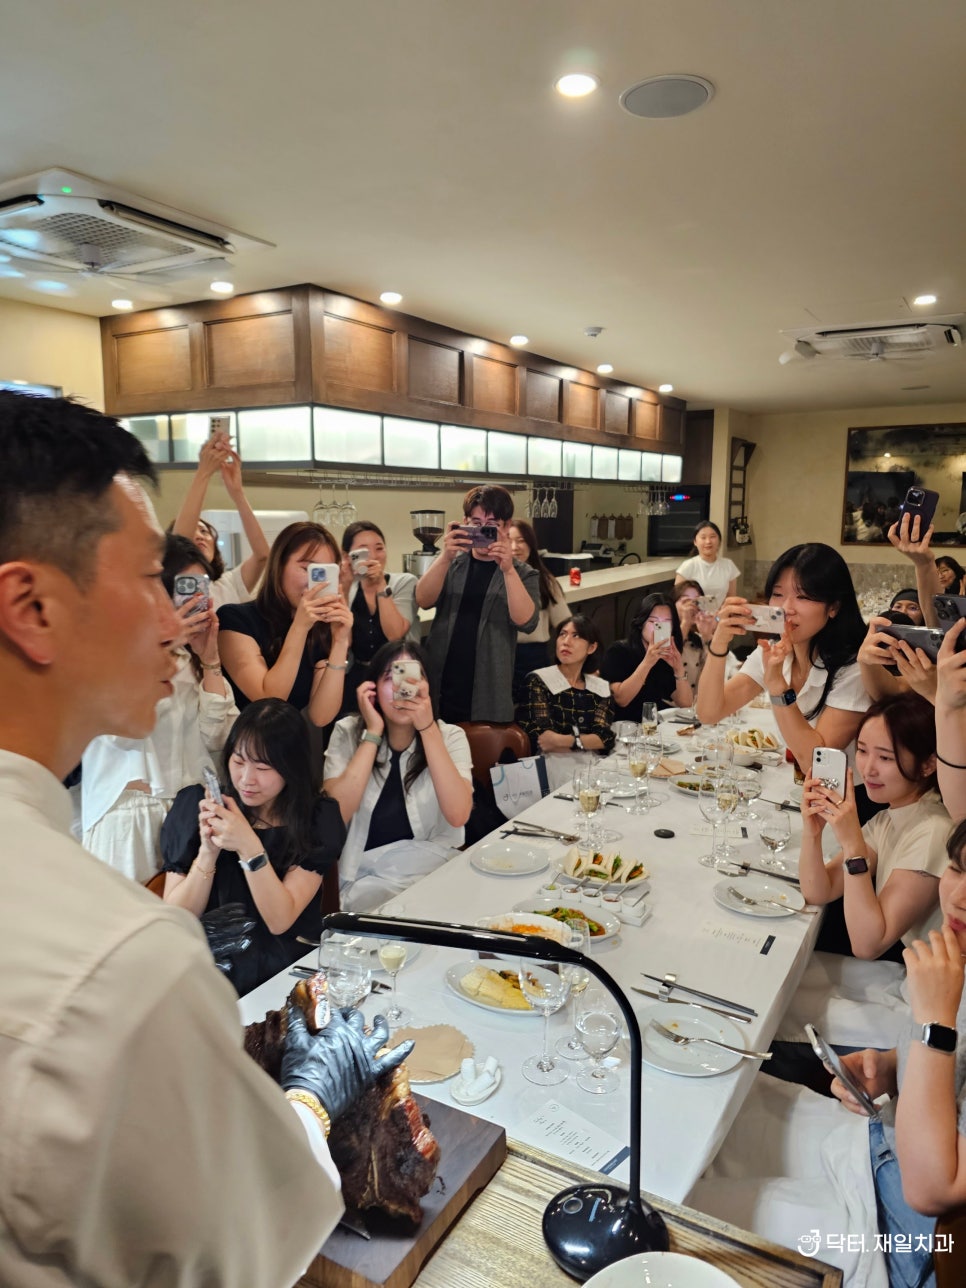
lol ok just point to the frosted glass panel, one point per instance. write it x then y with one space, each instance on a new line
190 429
350 437
152 433
410 443
462 449
651 467
275 434
628 465
543 456
605 462
672 469
507 453
576 460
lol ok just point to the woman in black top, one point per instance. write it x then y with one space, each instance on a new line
275 823
567 702
641 669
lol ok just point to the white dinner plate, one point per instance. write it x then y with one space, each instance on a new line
687 784
513 857
660 1270
759 888
610 925
677 715
700 1059
455 973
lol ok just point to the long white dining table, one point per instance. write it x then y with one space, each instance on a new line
708 947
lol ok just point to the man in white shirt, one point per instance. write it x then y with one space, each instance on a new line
138 1144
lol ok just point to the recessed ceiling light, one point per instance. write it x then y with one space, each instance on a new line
519 339
665 389
924 299
391 297
576 85
122 305
663 96
222 288
887 455
604 369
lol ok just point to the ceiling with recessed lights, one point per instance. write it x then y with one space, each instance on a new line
421 148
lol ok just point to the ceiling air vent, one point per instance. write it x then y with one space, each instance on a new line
890 342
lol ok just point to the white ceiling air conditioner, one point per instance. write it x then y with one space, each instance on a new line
878 343
72 223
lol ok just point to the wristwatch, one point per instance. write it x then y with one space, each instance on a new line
253 865
858 863
578 743
786 699
374 738
384 594
940 1037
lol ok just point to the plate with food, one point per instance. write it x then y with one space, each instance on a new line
690 784
512 857
488 988
608 869
765 898
697 1059
604 926
751 744
534 924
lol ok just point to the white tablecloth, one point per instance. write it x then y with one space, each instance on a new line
684 1119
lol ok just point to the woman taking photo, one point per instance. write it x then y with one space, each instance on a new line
533 650
952 575
266 847
567 709
810 673
697 627
708 566
292 641
402 778
383 605
647 666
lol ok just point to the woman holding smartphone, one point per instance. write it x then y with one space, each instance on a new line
697 627
647 666
383 605
402 778
266 846
810 673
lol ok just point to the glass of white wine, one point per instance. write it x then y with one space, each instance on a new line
392 958
638 763
546 988
599 1027
587 795
579 976
776 831
648 719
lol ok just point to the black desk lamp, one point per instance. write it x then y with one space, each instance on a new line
588 1226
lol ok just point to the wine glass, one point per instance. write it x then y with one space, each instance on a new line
546 988
579 977
717 800
392 958
776 831
648 719
749 789
587 795
608 781
626 733
553 504
349 976
599 1026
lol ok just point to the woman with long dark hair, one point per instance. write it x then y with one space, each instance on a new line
266 847
533 650
707 565
647 666
402 778
811 672
568 707
952 575
697 627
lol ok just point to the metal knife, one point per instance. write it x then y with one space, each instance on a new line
728 1015
708 997
767 872
537 829
354 1225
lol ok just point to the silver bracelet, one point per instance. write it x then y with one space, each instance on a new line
337 666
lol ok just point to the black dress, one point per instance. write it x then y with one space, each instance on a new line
619 662
247 620
180 839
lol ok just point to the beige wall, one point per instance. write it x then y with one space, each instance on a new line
50 347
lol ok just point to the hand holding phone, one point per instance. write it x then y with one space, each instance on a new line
835 1066
327 574
829 767
480 537
359 561
919 503
662 633
406 675
186 586
214 788
766 619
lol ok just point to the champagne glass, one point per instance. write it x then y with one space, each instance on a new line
717 800
392 958
749 789
349 976
648 719
546 988
587 795
776 831
579 977
599 1026
637 761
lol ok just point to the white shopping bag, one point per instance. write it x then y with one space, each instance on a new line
519 785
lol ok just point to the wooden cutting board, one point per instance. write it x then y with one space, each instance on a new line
471 1152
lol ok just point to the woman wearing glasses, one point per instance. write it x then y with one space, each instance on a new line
647 666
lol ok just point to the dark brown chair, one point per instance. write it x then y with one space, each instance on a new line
489 741
156 884
949 1250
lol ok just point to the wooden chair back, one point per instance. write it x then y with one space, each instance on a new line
949 1250
489 741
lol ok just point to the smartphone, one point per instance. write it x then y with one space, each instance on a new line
919 501
767 619
662 633
482 537
925 637
328 573
218 425
707 603
187 585
359 561
949 609
211 782
406 675
829 765
834 1065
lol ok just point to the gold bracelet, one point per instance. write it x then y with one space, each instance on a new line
210 666
315 1104
205 872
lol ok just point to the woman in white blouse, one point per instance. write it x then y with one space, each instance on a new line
403 780
706 565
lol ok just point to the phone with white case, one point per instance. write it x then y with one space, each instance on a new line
829 766
662 632
327 573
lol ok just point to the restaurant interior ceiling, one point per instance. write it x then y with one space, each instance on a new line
421 147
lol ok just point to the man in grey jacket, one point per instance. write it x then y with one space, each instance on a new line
483 597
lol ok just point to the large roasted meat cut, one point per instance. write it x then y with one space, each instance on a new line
384 1150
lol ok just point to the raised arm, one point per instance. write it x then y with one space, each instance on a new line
430 585
907 541
214 452
951 722
253 567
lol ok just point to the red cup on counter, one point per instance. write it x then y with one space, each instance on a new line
575 576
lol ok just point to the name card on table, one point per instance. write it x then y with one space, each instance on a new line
739 938
562 1132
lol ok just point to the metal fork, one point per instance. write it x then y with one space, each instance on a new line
770 903
681 1039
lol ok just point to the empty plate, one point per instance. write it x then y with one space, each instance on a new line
769 893
698 1059
510 858
661 1270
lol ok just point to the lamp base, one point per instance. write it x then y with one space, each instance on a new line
588 1227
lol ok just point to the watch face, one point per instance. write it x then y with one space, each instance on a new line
856 865
940 1037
